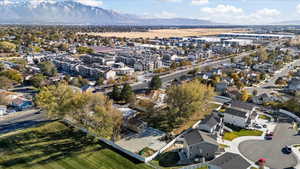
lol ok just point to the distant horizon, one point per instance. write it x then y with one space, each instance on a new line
231 12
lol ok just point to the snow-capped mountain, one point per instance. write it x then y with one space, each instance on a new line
75 12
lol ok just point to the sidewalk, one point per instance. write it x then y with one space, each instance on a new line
296 152
234 146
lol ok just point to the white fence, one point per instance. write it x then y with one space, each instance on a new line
110 143
136 156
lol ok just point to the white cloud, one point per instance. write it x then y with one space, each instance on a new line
233 15
6 2
222 9
94 3
170 0
165 14
268 12
298 9
200 2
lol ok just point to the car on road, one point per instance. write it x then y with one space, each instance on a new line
269 136
287 150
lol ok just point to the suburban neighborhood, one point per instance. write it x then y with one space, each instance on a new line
141 94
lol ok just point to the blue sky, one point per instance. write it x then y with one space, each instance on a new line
222 11
228 11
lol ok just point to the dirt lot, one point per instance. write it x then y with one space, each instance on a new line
166 33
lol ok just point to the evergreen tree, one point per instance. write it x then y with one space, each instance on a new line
155 83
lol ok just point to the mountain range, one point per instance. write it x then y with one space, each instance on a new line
71 12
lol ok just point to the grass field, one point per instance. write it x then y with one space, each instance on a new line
167 33
264 117
56 146
233 135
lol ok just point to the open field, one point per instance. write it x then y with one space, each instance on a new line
167 33
56 146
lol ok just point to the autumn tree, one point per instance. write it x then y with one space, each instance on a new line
3 99
79 81
262 55
245 96
189 98
93 111
84 50
7 47
48 68
13 75
38 80
5 83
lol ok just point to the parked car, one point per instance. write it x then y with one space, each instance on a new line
257 126
287 150
269 136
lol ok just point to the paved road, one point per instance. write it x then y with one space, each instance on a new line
177 74
272 149
21 120
266 87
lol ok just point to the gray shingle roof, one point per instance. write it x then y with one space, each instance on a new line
231 161
236 112
195 137
242 105
211 120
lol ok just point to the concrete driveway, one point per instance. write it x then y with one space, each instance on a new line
272 149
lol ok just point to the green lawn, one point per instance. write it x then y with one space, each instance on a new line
264 117
56 146
232 135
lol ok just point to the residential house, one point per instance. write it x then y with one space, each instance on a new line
2 110
21 104
200 145
136 125
212 123
87 88
230 161
110 74
221 87
263 98
233 93
239 114
294 85
236 117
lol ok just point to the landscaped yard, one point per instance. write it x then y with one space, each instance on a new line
233 135
146 152
264 117
56 146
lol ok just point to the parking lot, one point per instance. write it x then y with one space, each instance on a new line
272 149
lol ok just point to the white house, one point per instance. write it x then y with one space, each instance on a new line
110 74
2 110
211 124
237 117
239 114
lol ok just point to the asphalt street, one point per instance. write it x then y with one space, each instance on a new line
272 149
268 85
177 74
21 120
